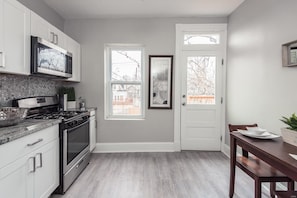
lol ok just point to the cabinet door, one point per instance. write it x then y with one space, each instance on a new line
74 48
46 178
58 36
15 38
2 64
43 29
15 180
39 27
92 133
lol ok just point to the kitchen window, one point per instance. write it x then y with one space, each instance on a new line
124 81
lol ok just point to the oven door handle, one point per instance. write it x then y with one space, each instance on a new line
73 128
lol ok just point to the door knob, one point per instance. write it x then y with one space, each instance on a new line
184 96
184 104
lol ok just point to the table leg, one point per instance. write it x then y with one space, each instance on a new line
232 165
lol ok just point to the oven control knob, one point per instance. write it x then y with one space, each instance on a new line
70 124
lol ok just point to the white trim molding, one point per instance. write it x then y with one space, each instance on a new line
179 48
134 147
226 150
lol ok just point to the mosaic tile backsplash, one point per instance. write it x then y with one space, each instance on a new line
14 86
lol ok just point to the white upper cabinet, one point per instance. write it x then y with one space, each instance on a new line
39 26
17 24
74 48
58 37
14 38
43 29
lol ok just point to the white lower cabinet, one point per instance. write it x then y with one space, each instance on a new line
35 172
14 180
46 177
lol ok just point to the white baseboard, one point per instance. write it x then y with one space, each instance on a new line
135 147
226 150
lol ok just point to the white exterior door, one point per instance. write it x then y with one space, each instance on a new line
199 100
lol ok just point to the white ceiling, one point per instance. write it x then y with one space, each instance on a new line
78 9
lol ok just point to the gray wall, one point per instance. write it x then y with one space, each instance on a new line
259 89
42 9
158 36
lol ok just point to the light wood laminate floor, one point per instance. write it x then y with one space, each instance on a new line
186 174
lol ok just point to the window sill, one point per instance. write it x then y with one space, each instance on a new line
124 119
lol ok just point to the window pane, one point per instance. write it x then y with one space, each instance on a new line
126 99
125 65
208 39
201 74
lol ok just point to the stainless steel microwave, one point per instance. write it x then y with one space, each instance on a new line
49 59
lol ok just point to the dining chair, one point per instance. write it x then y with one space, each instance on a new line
259 170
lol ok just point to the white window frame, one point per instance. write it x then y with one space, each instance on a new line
108 83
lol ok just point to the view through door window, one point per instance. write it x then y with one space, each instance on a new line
201 78
201 39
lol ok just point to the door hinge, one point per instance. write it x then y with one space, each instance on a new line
221 138
222 62
222 100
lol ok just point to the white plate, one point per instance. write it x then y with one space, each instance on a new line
265 135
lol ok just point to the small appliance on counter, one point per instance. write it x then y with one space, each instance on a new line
73 134
82 104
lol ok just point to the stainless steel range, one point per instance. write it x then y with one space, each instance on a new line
74 135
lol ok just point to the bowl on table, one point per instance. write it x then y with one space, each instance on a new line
12 115
256 130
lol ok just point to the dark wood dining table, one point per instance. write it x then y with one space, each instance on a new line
273 151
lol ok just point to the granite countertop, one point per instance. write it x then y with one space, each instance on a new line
27 127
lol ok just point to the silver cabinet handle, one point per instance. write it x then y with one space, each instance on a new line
52 37
3 59
39 140
56 39
34 164
40 160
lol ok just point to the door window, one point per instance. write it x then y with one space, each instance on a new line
201 39
201 79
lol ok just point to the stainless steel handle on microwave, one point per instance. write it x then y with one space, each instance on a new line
39 140
71 129
3 59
